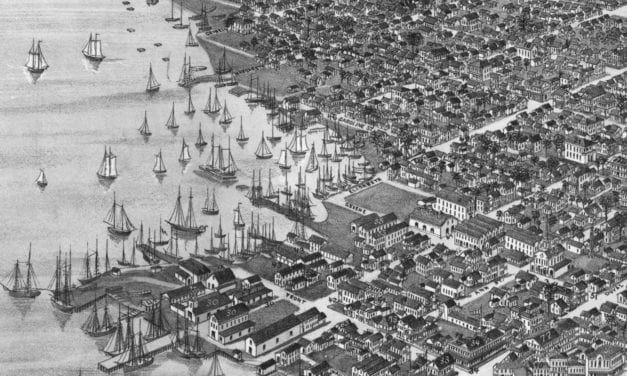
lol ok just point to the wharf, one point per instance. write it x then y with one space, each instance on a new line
289 212
153 348
151 252
239 91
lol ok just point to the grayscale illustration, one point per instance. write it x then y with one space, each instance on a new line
313 188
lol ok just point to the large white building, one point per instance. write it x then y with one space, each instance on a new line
455 204
579 150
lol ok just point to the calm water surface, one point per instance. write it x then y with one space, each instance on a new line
62 124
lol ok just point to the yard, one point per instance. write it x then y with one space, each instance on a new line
336 228
315 292
385 198
589 263
268 315
262 266
339 359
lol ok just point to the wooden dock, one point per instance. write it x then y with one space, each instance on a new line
153 348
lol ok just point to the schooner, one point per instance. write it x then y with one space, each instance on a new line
263 151
182 222
312 163
213 105
62 281
191 41
298 145
93 49
241 136
211 205
144 130
108 169
171 123
128 262
283 163
200 140
94 327
36 61
218 167
42 181
152 85
184 157
159 167
21 287
190 110
118 221
227 118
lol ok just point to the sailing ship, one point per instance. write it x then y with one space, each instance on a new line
298 145
211 206
273 137
62 280
108 169
144 130
320 192
200 140
161 240
223 66
172 18
263 151
186 76
324 153
152 85
171 123
222 246
157 325
184 346
118 221
327 174
180 25
185 223
312 163
238 221
94 327
21 287
88 275
191 41
283 163
226 115
335 157
184 157
130 262
93 49
190 110
271 193
41 180
36 61
159 167
241 136
135 357
218 167
349 174
213 105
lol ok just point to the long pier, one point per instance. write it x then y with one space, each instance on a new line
152 252
153 348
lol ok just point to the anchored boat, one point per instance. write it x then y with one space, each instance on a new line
218 167
20 287
211 206
93 49
241 136
118 221
96 328
144 130
36 61
159 167
263 151
200 140
171 123
213 105
185 223
42 181
108 169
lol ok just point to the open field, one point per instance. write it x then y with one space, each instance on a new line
315 292
338 359
336 228
385 198
261 266
268 315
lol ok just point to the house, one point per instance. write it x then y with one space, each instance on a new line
289 355
182 294
222 280
191 271
579 150
334 279
429 221
373 365
606 360
550 262
454 204
266 368
452 288
521 240
476 231
230 324
199 309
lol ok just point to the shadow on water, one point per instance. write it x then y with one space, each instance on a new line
31 77
23 306
91 66
106 183
61 318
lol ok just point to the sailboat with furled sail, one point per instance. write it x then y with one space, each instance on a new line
89 275
62 281
184 157
117 343
211 205
180 25
226 118
42 181
312 163
93 49
36 61
159 167
135 356
213 105
171 123
108 169
17 285
144 130
94 327
324 153
238 221
190 110
118 221
131 263
181 222
298 145
152 85
271 193
157 325
218 167
263 151
191 41
200 140
241 136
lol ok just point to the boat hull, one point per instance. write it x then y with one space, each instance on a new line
147 361
225 122
180 26
153 90
263 156
23 294
210 211
101 333
114 231
187 355
172 19
189 112
85 281
245 139
211 112
62 306
127 264
93 58
106 177
199 144
219 176
284 167
273 139
35 70
212 251
188 230
308 170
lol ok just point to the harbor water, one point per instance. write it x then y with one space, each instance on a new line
62 124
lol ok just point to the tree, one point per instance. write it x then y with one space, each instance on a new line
254 42
607 202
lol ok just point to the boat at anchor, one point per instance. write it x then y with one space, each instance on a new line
182 222
118 221
17 285
93 49
36 61
211 205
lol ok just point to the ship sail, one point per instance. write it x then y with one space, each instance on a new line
116 344
152 84
184 156
93 48
159 167
213 105
226 115
178 216
241 136
191 41
211 205
108 167
118 219
36 61
298 145
324 153
190 105
171 123
41 179
312 164
92 324
144 130
200 140
283 163
238 221
230 167
263 151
